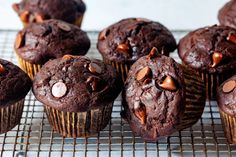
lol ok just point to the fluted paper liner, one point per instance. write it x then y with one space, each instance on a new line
29 68
10 116
121 68
195 98
229 125
79 124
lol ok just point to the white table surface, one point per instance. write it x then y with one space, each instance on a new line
175 14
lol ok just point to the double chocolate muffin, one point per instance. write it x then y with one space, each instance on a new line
211 51
36 11
226 98
38 43
15 84
124 42
77 93
227 14
161 97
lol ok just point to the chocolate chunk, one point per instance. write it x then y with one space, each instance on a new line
123 48
67 57
39 18
24 16
94 68
15 6
232 37
216 58
19 40
153 53
102 35
64 26
143 74
229 86
2 69
59 89
140 113
168 84
93 82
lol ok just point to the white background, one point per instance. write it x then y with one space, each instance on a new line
175 14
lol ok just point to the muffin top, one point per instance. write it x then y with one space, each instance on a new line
226 96
76 84
37 43
39 10
227 14
132 38
210 49
154 96
15 84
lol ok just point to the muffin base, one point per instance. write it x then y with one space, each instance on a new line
10 116
195 99
79 124
229 125
122 69
29 68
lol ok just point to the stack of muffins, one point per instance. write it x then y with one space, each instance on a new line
159 95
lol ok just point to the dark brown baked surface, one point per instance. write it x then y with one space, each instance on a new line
15 84
154 97
76 84
132 38
37 43
227 14
65 10
209 49
226 96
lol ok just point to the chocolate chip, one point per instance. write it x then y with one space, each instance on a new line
94 68
64 26
229 86
147 81
140 113
93 82
2 69
24 16
102 35
232 37
19 40
39 18
67 57
123 48
153 53
15 6
143 74
168 84
216 58
59 89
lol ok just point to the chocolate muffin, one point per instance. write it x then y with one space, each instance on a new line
226 98
227 14
77 93
161 97
38 43
15 85
124 42
211 51
37 11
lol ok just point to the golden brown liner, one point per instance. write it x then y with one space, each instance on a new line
229 125
29 68
10 116
195 98
121 68
79 124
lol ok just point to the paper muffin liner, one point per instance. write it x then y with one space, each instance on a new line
121 68
79 20
10 116
79 124
229 125
195 98
29 68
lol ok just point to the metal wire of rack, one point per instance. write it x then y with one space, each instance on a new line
34 136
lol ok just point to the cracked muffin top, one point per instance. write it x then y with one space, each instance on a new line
15 84
132 38
76 84
40 42
227 14
154 96
32 11
209 49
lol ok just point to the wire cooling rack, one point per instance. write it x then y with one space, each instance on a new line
34 136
